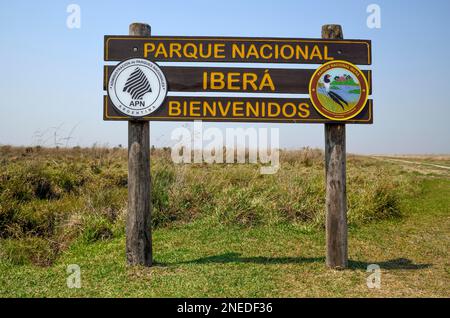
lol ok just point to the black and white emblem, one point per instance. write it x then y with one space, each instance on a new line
137 87
137 84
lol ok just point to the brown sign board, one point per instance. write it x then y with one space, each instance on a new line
236 109
234 80
236 49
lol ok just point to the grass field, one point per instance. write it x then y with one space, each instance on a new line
220 230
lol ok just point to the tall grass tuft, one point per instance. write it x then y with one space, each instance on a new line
50 198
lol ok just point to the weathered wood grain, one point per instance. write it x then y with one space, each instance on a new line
138 227
336 192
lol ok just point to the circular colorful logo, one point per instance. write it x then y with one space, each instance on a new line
137 87
338 90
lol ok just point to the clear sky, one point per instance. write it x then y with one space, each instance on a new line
51 76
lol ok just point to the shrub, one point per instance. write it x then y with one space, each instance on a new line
29 250
63 195
96 228
374 196
240 206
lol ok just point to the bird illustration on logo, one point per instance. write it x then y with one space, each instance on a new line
137 85
335 97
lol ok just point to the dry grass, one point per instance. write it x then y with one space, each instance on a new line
220 230
53 197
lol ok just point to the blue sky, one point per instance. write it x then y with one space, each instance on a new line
52 75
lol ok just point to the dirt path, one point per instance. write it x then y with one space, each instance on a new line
417 165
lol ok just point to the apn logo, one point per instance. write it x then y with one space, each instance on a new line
137 86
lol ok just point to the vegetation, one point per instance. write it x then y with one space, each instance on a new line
349 82
355 91
221 230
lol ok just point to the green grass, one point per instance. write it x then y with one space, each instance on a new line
350 82
227 231
199 259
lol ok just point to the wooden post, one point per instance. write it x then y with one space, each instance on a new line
335 176
138 228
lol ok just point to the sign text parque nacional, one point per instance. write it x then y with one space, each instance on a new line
242 50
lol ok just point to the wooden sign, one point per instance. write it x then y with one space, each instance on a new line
234 49
236 79
236 109
138 91
138 88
